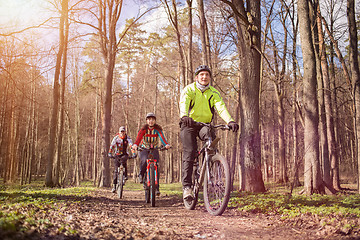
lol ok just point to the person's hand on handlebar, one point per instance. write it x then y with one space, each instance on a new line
134 147
233 126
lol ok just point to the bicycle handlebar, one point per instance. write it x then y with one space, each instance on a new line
221 126
129 156
161 148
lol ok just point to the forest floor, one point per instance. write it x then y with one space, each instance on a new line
102 215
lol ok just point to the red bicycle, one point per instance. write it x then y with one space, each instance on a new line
151 181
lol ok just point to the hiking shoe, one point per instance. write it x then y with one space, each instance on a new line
113 190
188 193
157 192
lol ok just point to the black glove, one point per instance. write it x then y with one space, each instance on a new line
187 121
233 126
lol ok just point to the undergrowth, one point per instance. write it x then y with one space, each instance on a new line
340 212
24 209
287 207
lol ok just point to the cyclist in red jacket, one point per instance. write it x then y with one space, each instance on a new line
148 135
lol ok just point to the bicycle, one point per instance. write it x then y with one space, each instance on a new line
121 175
150 180
212 171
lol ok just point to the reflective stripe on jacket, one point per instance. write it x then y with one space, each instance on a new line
200 106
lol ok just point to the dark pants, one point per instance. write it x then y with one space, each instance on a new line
143 156
188 136
117 160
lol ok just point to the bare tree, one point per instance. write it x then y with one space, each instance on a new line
173 18
355 75
190 27
49 181
107 22
205 53
62 101
312 173
248 46
333 156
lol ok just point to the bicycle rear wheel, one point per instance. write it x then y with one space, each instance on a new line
120 185
217 185
152 185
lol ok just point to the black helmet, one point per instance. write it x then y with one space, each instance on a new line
202 68
150 114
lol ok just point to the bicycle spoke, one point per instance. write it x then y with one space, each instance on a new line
217 186
216 189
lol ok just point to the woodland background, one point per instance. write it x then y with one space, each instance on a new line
71 79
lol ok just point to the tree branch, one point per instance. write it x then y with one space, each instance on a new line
25 29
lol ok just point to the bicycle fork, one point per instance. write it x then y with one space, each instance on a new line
149 161
209 152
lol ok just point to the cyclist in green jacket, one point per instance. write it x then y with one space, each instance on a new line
198 102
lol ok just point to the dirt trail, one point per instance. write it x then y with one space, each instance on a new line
104 216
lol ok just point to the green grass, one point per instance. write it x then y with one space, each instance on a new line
26 207
276 203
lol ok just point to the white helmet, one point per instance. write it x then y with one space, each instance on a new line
150 114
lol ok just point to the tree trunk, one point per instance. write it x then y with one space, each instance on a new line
249 65
235 141
296 156
56 95
312 173
330 131
204 52
62 100
355 75
190 27
173 18
95 147
109 16
323 141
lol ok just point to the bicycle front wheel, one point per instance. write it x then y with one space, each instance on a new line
217 185
120 185
152 185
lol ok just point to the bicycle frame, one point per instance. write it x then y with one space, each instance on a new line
150 160
121 168
121 173
205 152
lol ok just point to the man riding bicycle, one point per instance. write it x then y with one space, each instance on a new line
118 149
198 102
148 135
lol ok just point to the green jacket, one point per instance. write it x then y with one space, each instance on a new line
200 106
